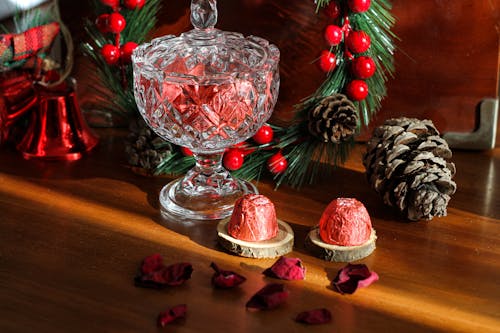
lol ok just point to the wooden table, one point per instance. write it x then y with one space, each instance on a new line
73 234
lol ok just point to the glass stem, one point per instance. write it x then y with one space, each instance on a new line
207 164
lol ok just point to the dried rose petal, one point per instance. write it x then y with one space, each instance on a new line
151 263
287 269
172 314
352 277
156 275
269 297
314 317
177 274
223 279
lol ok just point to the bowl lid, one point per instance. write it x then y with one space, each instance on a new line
205 53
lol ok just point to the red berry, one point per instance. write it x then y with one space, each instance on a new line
357 90
233 159
110 53
333 10
363 67
102 23
186 151
333 35
359 6
264 135
358 41
277 163
111 3
116 23
327 61
133 4
126 51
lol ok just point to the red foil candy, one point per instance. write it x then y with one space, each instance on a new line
287 269
253 219
345 222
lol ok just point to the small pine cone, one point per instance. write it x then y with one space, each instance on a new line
334 119
406 164
144 148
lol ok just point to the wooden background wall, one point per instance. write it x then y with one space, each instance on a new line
447 62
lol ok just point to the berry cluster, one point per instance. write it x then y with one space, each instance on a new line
356 44
114 23
234 157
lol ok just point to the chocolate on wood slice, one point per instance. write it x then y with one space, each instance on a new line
338 253
272 248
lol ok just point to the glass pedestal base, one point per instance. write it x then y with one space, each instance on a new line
177 203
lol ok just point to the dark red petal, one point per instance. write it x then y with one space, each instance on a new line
174 313
314 317
177 274
223 279
352 277
287 269
151 263
269 297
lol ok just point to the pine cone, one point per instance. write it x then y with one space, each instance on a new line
406 163
144 148
334 119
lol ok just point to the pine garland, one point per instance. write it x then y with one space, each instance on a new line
116 95
305 155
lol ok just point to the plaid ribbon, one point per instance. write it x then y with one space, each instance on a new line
18 47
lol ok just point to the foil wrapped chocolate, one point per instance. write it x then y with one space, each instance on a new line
345 222
253 219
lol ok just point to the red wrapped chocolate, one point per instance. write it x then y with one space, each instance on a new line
253 219
345 222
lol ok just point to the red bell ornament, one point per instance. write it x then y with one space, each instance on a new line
17 97
57 130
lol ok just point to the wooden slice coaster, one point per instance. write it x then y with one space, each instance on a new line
275 247
338 253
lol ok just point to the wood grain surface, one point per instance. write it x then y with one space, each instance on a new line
72 236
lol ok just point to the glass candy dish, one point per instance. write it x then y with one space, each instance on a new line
205 90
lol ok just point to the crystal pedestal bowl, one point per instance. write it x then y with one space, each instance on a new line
205 90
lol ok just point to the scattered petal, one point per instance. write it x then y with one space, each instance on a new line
269 297
287 269
223 279
151 263
154 274
314 317
172 314
352 277
177 274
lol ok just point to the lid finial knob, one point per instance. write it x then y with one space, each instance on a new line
203 14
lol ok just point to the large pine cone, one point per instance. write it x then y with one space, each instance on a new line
406 163
144 148
334 119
